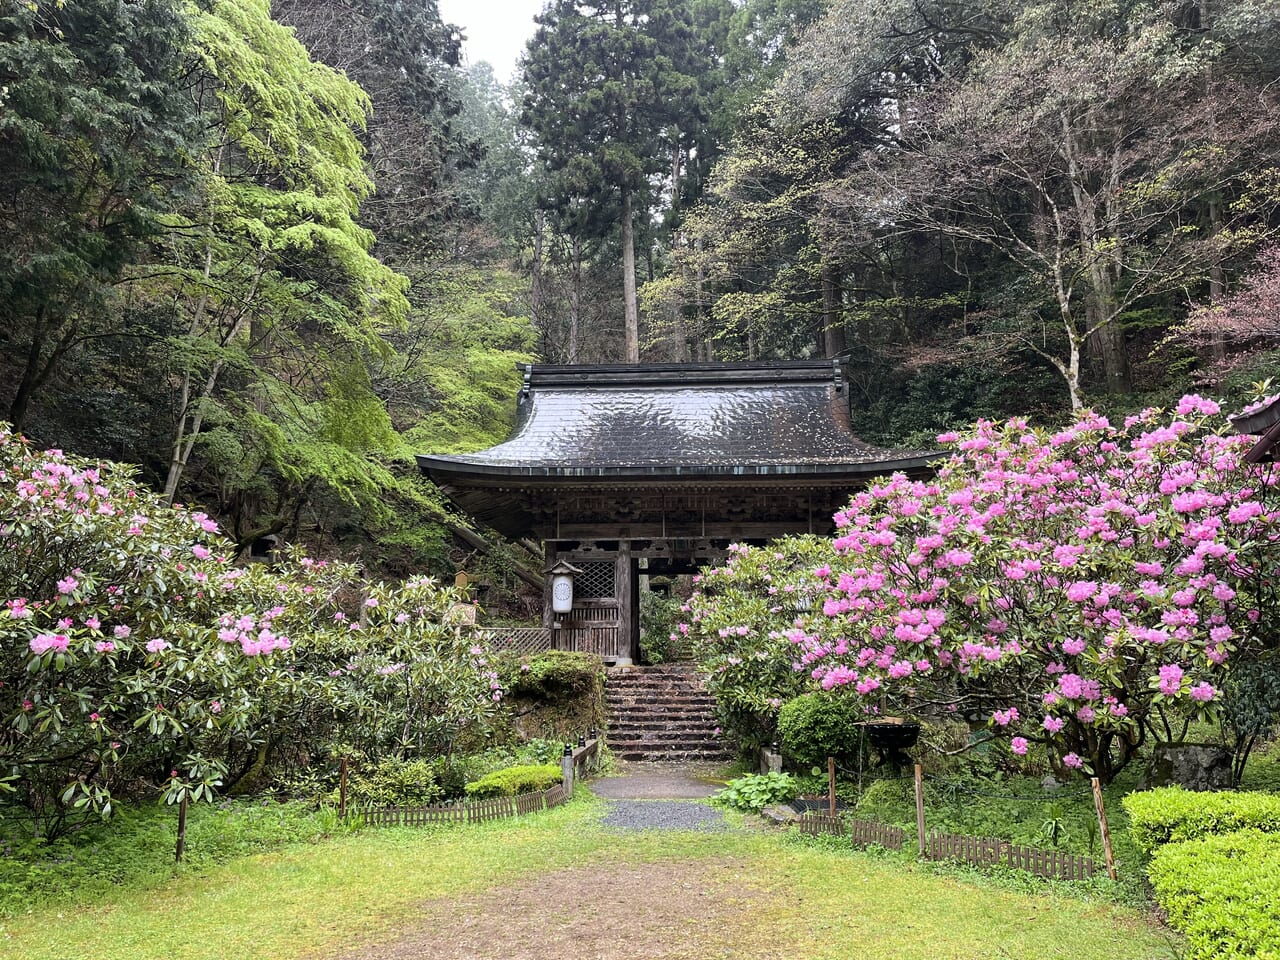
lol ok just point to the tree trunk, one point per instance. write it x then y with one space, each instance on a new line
36 374
1105 339
535 288
832 315
630 311
1070 370
184 437
575 300
1217 277
26 386
703 338
676 156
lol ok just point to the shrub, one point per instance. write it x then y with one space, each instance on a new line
134 654
739 628
1172 814
1085 589
455 772
1222 893
556 674
658 617
395 783
1250 706
513 781
754 792
816 726
554 694
885 800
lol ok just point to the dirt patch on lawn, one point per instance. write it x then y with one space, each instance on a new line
688 909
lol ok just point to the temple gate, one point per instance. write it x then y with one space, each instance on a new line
642 470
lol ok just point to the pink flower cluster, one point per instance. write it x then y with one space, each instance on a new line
254 635
1065 578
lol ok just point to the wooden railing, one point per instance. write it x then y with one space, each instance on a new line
984 851
466 811
865 833
515 639
583 631
980 851
578 763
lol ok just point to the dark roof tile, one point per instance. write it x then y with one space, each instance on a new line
758 418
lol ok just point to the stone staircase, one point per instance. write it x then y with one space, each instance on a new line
661 713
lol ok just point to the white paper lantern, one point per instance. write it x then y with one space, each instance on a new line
562 593
562 587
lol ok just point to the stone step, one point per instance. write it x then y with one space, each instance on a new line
661 713
639 751
660 710
637 676
673 756
661 740
661 736
638 690
661 706
660 721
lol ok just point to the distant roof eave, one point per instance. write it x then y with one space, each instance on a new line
459 468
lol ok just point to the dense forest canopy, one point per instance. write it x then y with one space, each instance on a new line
268 252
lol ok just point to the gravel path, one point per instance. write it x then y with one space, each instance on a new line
660 781
663 815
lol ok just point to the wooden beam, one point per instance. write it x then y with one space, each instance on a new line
625 588
474 540
655 531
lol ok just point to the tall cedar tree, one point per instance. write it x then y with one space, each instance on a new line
93 123
607 84
404 56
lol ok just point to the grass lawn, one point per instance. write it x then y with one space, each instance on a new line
776 897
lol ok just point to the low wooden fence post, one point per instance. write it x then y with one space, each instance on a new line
566 768
831 786
920 808
1102 824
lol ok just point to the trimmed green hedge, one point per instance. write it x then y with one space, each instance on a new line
1222 893
1171 814
512 781
815 726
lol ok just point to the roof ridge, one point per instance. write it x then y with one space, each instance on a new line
609 375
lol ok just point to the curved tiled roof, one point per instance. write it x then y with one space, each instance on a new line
680 421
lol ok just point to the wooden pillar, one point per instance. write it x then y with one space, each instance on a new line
624 580
548 616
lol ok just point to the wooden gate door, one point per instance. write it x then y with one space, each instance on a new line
596 623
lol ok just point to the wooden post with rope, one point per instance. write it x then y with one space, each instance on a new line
342 788
182 829
1106 831
831 786
920 808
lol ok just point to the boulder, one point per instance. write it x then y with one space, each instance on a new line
780 813
1195 766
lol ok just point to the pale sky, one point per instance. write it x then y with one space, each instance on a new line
495 30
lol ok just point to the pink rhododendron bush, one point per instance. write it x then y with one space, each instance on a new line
1078 591
135 655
